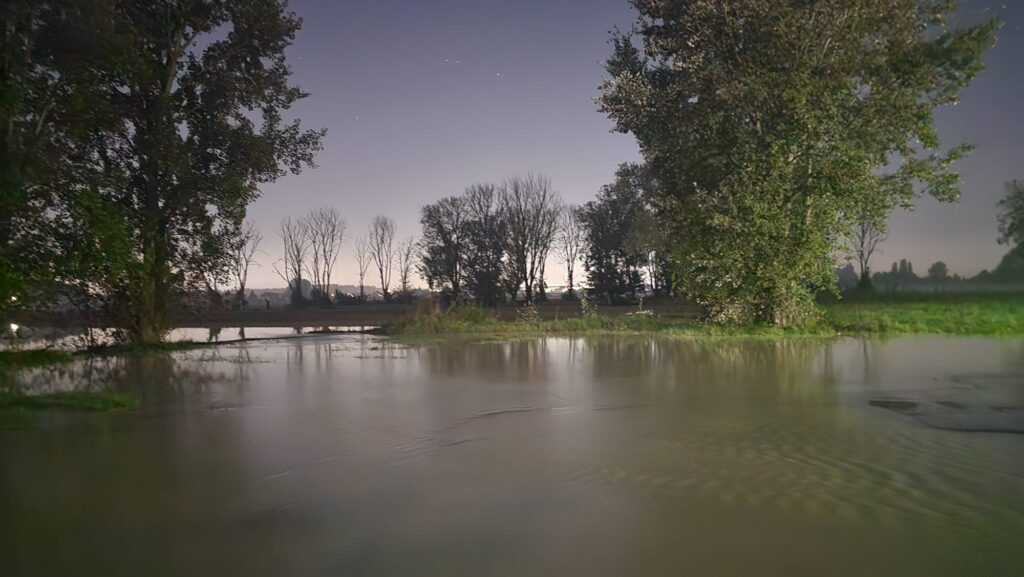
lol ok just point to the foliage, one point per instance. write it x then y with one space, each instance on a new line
938 271
443 245
766 123
609 225
486 231
530 208
181 120
1011 214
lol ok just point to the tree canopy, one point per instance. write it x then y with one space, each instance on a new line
768 125
179 119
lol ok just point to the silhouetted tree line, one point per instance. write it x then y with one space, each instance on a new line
493 241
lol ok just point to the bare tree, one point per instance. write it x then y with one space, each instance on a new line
406 259
381 243
244 256
362 254
864 240
295 237
531 209
326 230
569 241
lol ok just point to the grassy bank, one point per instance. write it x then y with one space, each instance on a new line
987 315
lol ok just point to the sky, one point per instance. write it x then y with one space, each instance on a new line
422 98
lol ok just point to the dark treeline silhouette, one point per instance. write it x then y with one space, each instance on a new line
491 242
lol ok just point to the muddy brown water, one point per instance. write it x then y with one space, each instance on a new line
353 455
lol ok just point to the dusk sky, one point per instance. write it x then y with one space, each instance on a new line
423 98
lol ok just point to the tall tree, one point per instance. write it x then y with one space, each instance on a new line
244 256
938 271
362 254
406 255
765 122
50 112
381 242
486 231
1011 215
326 231
612 262
443 245
530 207
295 240
196 90
569 242
863 240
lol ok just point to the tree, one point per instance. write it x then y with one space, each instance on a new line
938 271
55 232
326 231
1011 214
530 208
863 241
485 231
764 122
362 254
444 236
244 256
381 243
612 262
193 95
569 242
295 238
406 255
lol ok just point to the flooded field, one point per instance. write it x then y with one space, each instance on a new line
353 455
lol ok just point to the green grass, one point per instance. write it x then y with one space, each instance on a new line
82 400
991 315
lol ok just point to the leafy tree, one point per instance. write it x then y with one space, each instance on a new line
194 93
530 207
443 245
765 123
486 232
50 110
612 262
938 271
1011 214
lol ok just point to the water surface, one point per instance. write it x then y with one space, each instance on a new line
351 455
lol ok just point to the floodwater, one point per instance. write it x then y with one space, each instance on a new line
352 455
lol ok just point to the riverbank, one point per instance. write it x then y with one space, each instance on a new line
988 316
